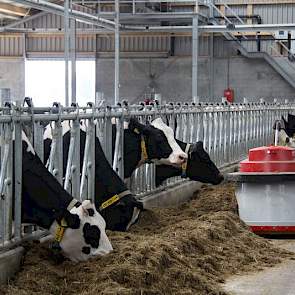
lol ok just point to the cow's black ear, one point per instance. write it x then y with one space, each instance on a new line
291 122
198 146
136 126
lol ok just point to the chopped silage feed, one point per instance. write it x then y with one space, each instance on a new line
186 250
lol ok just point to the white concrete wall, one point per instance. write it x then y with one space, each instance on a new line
249 78
12 75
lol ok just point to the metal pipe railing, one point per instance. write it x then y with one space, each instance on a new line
228 131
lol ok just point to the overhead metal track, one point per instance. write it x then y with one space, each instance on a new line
247 28
161 29
59 10
137 1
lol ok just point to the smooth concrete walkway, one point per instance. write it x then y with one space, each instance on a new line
278 280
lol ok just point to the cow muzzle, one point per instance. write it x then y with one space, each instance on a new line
219 179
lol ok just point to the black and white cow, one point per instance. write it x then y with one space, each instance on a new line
149 143
286 129
199 166
78 228
124 212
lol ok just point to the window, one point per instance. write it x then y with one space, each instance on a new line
45 81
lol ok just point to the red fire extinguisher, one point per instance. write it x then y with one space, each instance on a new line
229 95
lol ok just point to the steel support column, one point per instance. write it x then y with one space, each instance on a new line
211 58
195 45
73 58
66 50
117 52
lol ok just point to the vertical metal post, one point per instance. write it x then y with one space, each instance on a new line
211 58
91 160
133 7
76 161
117 52
195 44
66 50
6 181
18 178
107 142
73 58
38 140
58 158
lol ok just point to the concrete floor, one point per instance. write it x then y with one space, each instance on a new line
279 280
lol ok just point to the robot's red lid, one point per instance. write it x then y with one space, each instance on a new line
269 159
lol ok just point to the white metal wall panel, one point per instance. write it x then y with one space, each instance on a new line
183 46
223 48
251 46
135 43
11 45
279 13
45 44
204 46
85 44
236 9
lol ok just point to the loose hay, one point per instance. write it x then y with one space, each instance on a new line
186 250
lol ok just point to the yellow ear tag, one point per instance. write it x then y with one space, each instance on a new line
109 202
183 168
136 130
143 149
60 230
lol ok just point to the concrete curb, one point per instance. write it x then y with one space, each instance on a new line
10 262
177 194
171 197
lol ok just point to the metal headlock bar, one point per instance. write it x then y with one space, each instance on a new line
228 132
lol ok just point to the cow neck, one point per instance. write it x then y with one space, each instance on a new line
132 152
58 230
107 182
44 199
181 144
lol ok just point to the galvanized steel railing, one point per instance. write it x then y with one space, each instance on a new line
228 131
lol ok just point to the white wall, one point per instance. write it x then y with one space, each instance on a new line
12 75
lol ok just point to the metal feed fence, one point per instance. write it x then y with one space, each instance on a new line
228 131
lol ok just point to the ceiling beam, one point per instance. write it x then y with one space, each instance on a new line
13 10
75 14
7 16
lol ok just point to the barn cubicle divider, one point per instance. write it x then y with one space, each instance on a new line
228 132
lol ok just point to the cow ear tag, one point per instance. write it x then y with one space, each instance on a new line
183 170
60 230
136 131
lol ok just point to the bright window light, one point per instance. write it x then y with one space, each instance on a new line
45 81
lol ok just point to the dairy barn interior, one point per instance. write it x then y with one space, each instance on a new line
147 147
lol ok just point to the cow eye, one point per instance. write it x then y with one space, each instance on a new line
90 212
86 250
